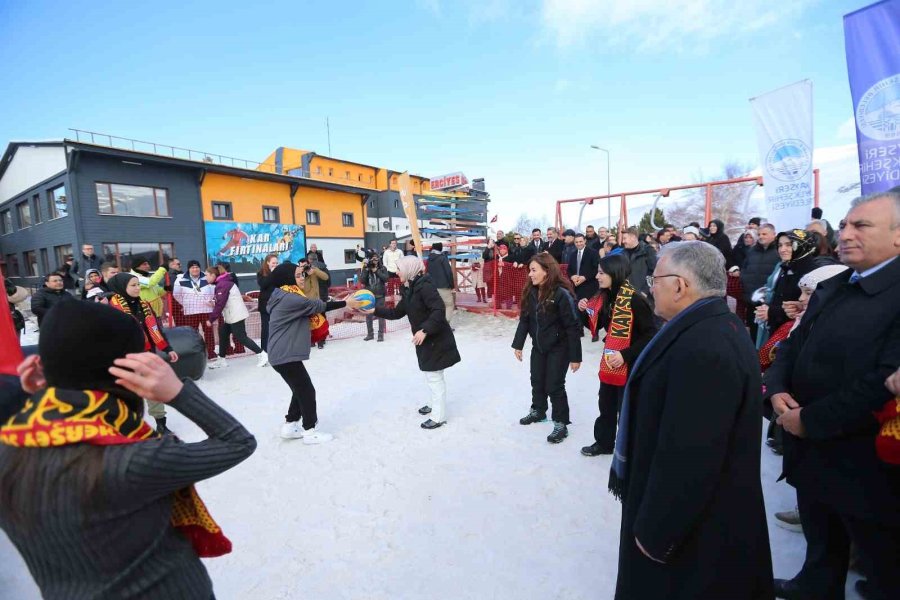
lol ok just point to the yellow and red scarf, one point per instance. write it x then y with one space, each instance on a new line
621 326
151 323
887 443
59 417
318 324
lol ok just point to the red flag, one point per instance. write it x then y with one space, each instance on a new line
494 220
10 350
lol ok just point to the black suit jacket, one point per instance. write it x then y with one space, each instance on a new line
555 249
590 261
834 364
694 497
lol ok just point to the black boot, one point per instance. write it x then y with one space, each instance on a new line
161 428
369 336
532 417
595 449
380 337
560 432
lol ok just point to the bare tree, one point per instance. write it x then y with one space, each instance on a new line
526 223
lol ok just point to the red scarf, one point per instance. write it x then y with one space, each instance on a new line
887 443
57 417
770 348
151 323
318 324
621 327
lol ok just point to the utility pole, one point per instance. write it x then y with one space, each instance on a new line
328 129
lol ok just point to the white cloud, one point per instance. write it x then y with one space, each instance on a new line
847 130
654 25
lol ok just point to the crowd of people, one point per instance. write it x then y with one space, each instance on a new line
685 383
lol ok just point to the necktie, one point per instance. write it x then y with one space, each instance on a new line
578 267
855 277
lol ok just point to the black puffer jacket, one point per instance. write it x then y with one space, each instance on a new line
643 261
757 267
44 299
551 323
421 302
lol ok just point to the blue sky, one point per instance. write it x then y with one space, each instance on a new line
515 92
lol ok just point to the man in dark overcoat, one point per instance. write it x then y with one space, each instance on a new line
826 384
687 457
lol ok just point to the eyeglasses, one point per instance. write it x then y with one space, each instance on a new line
651 279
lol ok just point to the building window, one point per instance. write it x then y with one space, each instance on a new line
347 219
125 254
24 213
371 204
12 265
312 217
45 262
318 170
37 213
371 178
221 211
330 171
60 253
131 200
359 177
347 173
6 225
270 214
397 203
31 267
349 257
57 202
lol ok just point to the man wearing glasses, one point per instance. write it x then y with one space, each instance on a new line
693 519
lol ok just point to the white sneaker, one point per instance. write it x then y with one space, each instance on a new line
314 436
262 359
291 431
217 363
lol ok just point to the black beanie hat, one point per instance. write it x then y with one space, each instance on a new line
193 263
284 274
80 340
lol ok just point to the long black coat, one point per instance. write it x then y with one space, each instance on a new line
590 261
694 497
555 249
643 261
757 267
834 364
423 305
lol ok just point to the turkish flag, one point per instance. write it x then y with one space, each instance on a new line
10 350
494 220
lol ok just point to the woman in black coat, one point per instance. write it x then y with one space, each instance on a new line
435 344
266 285
549 315
718 239
615 296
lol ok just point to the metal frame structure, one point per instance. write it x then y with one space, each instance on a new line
664 193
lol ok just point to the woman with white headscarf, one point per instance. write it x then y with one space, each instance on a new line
432 336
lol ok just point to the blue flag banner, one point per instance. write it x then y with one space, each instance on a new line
245 245
872 40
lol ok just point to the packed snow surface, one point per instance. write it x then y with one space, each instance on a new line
482 508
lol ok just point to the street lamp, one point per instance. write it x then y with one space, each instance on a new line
608 199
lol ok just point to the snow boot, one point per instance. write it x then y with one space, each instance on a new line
532 417
595 449
380 337
559 433
161 428
369 336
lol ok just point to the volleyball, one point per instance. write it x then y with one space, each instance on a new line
366 297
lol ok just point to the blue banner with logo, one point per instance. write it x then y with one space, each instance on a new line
872 40
245 245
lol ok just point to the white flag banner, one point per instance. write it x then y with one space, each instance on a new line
784 136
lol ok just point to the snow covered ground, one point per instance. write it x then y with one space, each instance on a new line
482 508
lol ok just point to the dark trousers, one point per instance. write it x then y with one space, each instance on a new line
548 378
379 302
264 330
610 400
828 535
303 394
195 321
239 331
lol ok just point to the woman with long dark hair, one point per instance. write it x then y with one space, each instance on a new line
435 344
628 321
264 280
126 297
549 315
98 505
296 321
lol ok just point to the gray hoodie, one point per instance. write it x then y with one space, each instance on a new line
289 326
